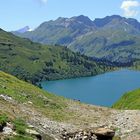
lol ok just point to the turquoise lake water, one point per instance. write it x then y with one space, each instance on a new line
103 90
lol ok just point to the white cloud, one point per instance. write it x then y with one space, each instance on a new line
44 1
130 7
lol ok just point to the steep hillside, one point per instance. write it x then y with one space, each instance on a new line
34 62
26 104
27 112
112 38
130 100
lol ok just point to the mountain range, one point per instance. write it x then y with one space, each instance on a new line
27 112
113 38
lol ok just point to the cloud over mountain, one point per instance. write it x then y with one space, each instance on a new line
130 7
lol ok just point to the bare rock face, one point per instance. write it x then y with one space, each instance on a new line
90 134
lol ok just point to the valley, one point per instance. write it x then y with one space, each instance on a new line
70 78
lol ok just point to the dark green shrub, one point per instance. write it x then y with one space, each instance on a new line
20 126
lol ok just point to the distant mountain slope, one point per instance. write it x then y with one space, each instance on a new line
34 62
112 38
130 100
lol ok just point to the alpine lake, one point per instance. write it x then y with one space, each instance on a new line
103 90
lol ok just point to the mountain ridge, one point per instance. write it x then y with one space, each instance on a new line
108 38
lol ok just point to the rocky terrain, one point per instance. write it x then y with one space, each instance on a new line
73 121
88 120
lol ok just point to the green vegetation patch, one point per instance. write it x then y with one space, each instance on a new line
34 62
20 126
3 119
130 100
50 105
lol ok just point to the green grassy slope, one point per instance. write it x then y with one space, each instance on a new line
51 105
35 106
130 100
27 95
34 62
24 95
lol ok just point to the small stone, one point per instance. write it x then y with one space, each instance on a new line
34 133
7 130
29 102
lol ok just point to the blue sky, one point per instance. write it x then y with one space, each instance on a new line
15 14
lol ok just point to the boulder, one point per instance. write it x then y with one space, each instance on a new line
104 134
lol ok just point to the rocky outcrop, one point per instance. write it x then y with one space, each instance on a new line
6 129
90 134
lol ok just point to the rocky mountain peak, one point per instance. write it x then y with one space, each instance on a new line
24 29
83 19
67 22
100 22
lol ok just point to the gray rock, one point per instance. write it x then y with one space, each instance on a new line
7 130
34 133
